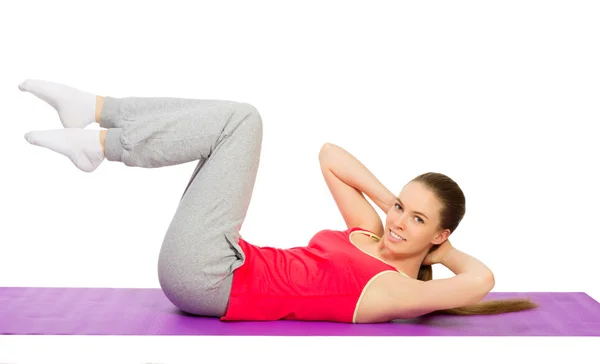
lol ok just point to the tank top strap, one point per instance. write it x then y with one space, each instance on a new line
375 237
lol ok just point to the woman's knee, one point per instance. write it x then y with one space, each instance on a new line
251 117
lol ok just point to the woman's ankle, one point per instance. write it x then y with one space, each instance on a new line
99 105
102 141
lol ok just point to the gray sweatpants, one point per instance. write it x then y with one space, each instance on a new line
200 250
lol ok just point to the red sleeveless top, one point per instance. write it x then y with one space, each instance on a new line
323 281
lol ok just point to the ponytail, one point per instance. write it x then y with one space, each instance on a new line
488 307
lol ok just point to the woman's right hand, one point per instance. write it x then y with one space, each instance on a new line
437 254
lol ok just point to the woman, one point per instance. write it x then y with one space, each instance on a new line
364 274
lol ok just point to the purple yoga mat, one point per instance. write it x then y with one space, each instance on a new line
136 311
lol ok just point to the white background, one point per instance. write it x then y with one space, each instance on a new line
500 96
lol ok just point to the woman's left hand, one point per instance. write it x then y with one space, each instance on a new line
436 255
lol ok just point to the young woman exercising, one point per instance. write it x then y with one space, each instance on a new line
370 272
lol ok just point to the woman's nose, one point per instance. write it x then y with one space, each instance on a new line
400 222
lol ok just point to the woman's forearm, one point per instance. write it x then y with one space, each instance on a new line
352 172
459 262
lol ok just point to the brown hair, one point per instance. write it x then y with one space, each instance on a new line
453 209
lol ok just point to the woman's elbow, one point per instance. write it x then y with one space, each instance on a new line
489 281
484 286
486 281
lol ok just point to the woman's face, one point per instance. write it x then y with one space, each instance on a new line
415 218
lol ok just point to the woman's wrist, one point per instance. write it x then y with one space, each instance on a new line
445 260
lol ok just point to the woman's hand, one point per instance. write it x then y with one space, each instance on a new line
437 254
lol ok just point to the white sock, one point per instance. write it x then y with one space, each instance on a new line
81 146
76 109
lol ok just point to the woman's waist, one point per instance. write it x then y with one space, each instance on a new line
265 307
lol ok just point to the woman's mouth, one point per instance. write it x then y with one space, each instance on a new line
395 238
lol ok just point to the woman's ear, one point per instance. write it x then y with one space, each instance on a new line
441 237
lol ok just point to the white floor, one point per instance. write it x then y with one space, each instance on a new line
116 350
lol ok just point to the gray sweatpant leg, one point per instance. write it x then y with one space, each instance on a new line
200 250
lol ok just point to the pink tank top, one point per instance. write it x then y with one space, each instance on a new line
323 281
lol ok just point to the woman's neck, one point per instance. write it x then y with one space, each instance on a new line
407 264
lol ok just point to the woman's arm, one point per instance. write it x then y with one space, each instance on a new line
408 298
352 172
457 261
462 263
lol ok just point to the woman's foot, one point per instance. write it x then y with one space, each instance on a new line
85 148
76 108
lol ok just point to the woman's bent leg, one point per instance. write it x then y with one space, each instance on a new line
120 110
178 131
200 250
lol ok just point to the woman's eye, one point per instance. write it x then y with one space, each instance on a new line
400 207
